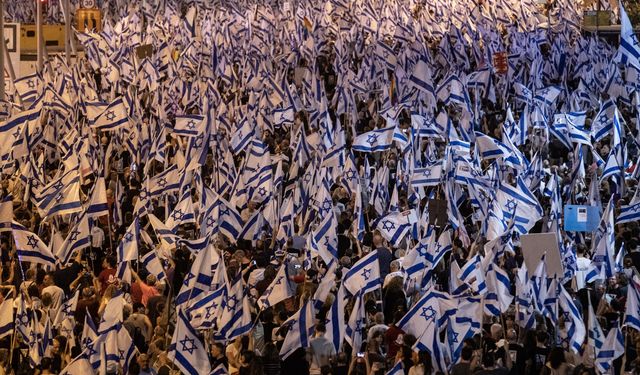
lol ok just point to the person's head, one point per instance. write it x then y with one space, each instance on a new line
466 353
151 280
138 308
59 344
542 337
395 265
109 262
496 331
143 361
556 357
320 329
48 279
217 350
512 335
377 240
423 358
379 317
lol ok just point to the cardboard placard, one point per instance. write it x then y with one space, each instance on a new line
535 245
145 50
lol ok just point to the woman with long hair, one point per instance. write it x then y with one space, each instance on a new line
422 366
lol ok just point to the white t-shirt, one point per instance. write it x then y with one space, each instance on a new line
584 265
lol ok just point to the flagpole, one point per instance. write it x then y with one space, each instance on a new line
2 48
39 34
67 30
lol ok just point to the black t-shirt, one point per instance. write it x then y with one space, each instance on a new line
65 276
539 359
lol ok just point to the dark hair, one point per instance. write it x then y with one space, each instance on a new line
466 353
542 336
320 327
270 353
111 261
556 357
424 358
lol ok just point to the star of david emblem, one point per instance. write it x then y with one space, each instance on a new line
544 92
327 241
188 278
110 115
262 191
210 222
73 235
505 239
143 194
199 141
422 250
66 308
372 138
66 331
350 175
191 125
121 354
32 338
453 337
32 241
16 134
31 84
565 315
279 280
58 185
366 273
388 225
604 118
162 182
635 208
231 303
358 326
177 215
89 345
511 204
107 71
209 310
23 318
438 248
427 172
224 211
595 334
188 345
128 237
307 177
327 205
428 313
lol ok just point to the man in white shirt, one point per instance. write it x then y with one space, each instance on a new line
56 293
321 351
583 267
97 237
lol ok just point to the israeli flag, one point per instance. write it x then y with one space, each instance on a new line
128 248
375 140
187 350
30 247
364 276
301 326
114 117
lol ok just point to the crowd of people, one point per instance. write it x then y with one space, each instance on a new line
331 187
